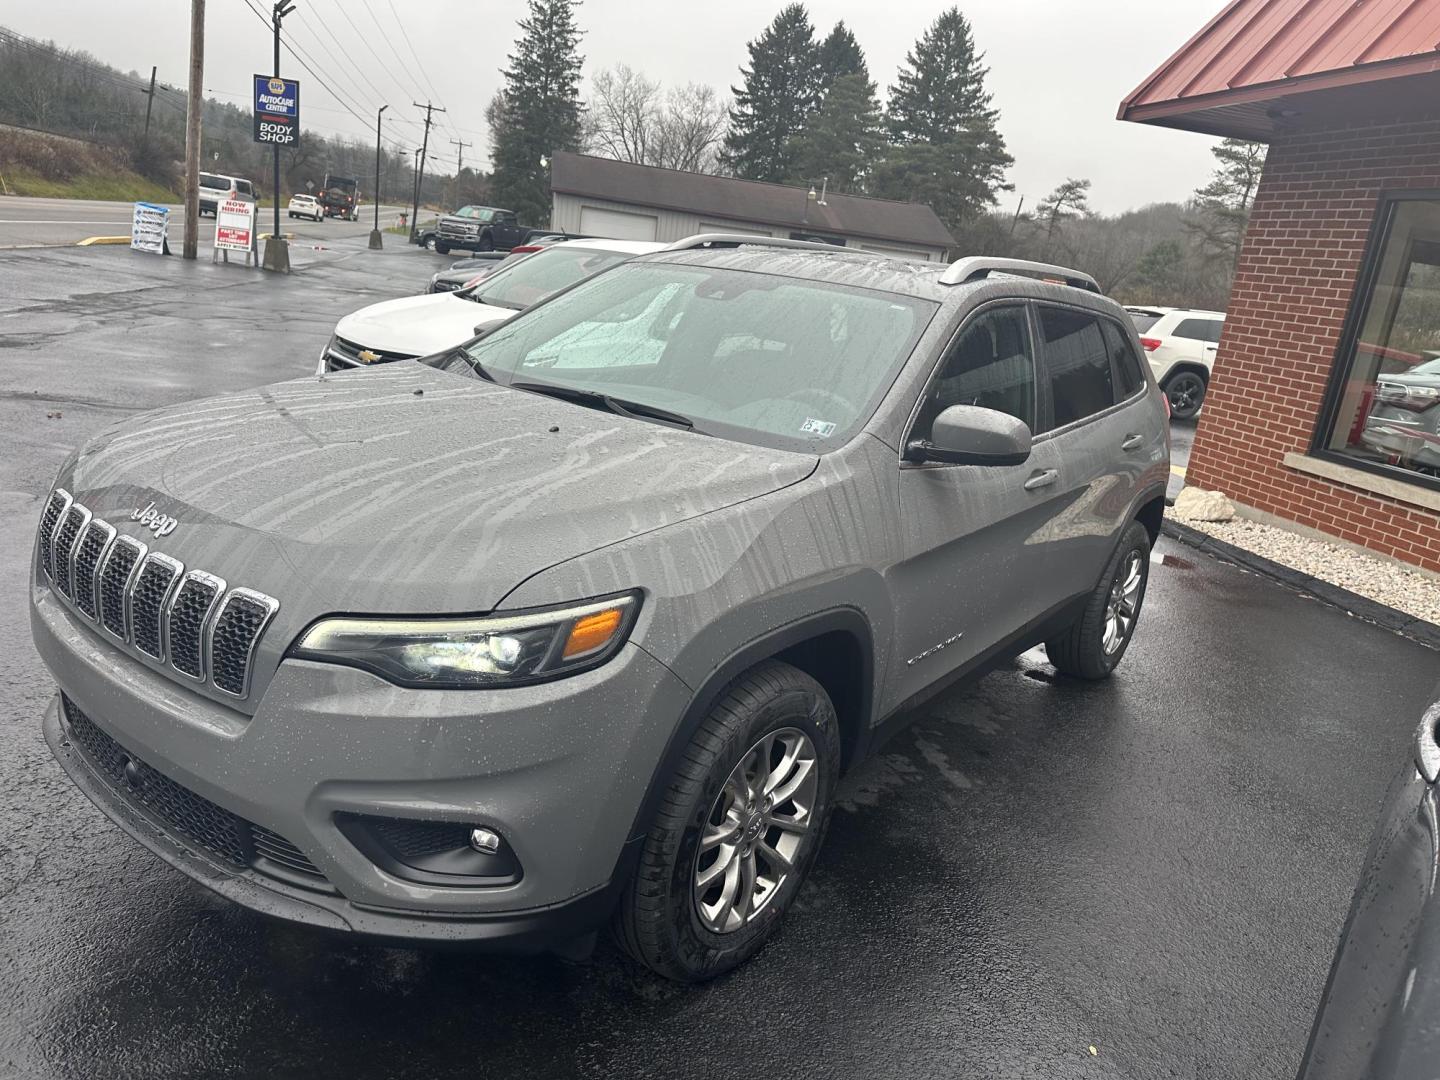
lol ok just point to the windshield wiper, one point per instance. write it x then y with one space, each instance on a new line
474 295
635 410
474 364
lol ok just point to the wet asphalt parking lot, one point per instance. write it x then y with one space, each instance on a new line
1156 867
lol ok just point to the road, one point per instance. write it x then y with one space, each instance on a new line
26 222
1156 867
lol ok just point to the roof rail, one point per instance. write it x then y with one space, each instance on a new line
729 240
978 266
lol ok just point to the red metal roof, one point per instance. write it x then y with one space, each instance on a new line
1258 51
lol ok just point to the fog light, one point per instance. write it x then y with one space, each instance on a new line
485 840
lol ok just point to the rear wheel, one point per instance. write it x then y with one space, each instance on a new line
1186 391
738 827
1095 643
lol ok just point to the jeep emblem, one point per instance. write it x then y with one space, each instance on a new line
150 518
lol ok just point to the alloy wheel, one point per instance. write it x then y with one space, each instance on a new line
752 837
1124 603
1186 391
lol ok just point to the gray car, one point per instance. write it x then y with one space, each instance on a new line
583 622
1379 1018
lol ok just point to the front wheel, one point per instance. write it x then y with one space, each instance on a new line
487 242
443 249
1186 391
738 827
1095 643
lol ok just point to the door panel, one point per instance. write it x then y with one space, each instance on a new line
974 562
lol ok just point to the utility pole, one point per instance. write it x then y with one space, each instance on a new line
150 104
194 103
420 173
277 251
460 158
376 241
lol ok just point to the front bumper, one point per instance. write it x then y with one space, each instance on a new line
1376 1017
558 769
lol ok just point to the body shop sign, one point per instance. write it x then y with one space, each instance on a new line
277 110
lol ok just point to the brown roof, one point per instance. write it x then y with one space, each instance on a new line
745 200
1263 61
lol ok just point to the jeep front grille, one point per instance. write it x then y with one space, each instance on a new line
188 621
180 812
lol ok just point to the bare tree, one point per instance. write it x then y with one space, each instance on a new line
690 128
622 115
630 118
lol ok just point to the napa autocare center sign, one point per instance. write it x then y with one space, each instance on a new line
277 110
235 225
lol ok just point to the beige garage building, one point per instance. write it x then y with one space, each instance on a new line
600 197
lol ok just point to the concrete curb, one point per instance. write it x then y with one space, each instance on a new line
91 240
1362 607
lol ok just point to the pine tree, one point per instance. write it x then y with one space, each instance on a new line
946 148
540 109
840 55
781 89
843 139
1068 201
1223 205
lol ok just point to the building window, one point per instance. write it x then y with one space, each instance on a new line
1385 393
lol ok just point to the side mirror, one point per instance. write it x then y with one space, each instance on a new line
970 435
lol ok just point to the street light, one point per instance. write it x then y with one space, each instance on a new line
376 243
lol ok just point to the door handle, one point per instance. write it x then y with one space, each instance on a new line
1042 479
1132 442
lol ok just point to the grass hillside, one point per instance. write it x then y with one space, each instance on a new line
32 163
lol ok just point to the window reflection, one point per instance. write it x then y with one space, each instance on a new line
1389 406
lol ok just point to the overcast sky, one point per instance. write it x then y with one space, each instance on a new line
1058 68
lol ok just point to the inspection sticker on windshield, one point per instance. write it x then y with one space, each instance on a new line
823 428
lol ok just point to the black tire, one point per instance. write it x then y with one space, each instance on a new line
1186 391
443 249
658 921
1081 650
487 241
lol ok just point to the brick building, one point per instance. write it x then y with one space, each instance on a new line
1323 410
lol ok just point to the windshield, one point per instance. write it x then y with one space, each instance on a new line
760 358
532 278
1430 367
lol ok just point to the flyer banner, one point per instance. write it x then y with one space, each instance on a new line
147 228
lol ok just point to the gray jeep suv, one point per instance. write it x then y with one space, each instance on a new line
583 621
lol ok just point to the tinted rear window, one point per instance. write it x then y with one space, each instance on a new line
1143 320
1078 364
211 181
1125 363
1199 329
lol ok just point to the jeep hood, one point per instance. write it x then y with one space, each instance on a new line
404 489
418 325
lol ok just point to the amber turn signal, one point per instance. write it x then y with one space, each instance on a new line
592 632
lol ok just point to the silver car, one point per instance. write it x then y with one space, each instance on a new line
582 622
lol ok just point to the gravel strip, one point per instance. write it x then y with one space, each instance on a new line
1384 582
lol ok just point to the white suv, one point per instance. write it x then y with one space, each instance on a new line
1180 344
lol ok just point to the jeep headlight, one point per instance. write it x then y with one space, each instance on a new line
470 653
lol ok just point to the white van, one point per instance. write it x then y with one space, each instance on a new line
215 188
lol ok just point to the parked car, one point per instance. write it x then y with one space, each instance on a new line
215 188
419 325
482 228
1377 1016
586 619
1180 344
1403 422
425 237
470 271
305 206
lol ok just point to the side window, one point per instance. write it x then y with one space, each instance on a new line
1125 365
506 218
1215 329
1198 329
992 365
1078 364
243 186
